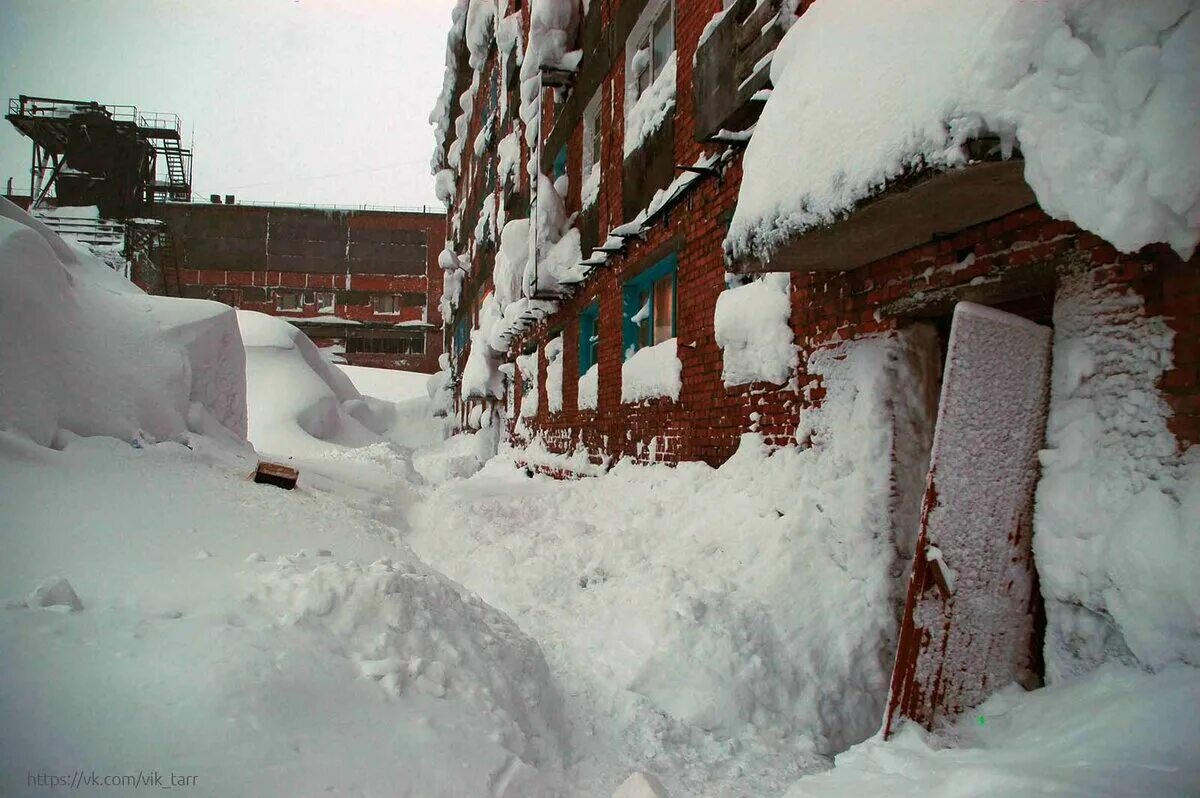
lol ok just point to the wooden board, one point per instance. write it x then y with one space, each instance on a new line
969 619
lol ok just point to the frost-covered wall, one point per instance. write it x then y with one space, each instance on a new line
1100 96
1117 524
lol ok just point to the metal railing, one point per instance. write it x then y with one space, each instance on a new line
59 108
437 209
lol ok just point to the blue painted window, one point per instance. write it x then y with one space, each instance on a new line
649 306
589 337
560 163
460 335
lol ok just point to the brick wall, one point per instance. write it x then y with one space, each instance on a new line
253 286
1012 263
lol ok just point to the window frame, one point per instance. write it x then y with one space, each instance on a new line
642 36
297 295
636 292
592 136
332 306
589 327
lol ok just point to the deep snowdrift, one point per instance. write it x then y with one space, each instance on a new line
707 613
1102 96
87 352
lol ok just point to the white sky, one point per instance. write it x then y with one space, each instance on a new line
306 101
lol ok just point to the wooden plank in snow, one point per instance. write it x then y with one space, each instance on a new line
968 626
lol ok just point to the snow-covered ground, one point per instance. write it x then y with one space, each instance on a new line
165 613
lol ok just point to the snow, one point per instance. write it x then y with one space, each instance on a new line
554 374
1121 732
647 113
589 388
727 660
527 367
127 365
651 372
1103 99
481 376
645 631
392 385
270 647
753 327
1115 525
590 191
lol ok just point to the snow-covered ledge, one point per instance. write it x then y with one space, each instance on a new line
652 372
1100 98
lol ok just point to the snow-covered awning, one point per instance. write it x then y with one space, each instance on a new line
874 100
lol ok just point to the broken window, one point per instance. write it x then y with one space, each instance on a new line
287 300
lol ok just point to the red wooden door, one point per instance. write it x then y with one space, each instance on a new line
969 618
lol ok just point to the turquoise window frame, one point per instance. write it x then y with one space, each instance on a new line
637 291
560 163
460 335
589 327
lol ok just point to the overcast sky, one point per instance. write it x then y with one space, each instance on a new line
306 101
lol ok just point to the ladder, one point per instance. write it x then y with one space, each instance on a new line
177 178
166 257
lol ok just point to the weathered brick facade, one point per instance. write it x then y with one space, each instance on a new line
1014 262
227 254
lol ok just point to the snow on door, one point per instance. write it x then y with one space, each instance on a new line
969 617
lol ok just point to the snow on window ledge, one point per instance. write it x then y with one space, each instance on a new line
651 109
752 323
589 388
590 191
652 372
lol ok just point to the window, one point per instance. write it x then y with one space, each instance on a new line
589 337
460 335
560 163
590 178
591 134
392 303
324 300
649 300
649 47
587 397
386 344
287 300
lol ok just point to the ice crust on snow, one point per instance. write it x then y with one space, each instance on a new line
1117 518
127 365
752 324
1100 96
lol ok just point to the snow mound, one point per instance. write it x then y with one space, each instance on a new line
1117 733
705 611
299 403
1117 518
410 629
753 328
87 352
1102 97
651 372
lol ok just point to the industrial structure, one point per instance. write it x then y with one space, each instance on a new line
361 280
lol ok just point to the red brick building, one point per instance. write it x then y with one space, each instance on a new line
584 321
363 280
1007 254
